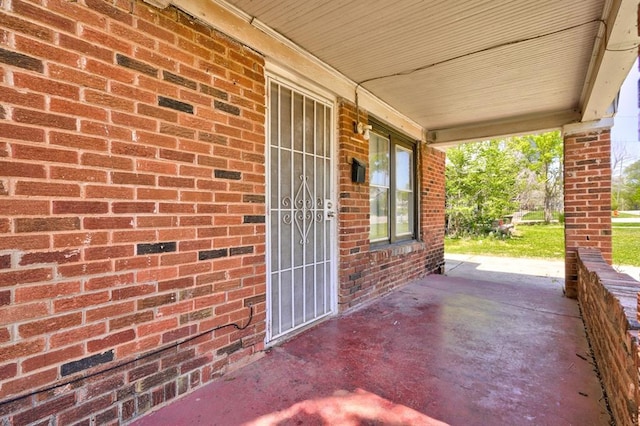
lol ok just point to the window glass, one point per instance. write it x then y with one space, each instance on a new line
379 220
391 188
378 160
379 179
404 191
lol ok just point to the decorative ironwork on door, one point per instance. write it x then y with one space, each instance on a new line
304 213
300 288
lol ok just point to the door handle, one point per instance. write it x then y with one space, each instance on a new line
328 205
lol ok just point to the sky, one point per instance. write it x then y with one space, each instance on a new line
624 134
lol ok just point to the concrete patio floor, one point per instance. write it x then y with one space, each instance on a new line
444 350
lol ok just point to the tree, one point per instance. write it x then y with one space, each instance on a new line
482 185
631 191
544 154
619 155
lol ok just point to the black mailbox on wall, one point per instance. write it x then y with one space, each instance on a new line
358 171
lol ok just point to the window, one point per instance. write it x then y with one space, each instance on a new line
392 187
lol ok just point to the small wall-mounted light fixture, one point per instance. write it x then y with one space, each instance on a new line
362 129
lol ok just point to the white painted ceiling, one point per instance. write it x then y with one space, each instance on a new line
459 64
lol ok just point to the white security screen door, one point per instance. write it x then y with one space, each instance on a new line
299 286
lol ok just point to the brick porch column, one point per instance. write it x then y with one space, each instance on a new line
587 194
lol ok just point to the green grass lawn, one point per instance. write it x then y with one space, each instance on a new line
539 215
626 244
546 241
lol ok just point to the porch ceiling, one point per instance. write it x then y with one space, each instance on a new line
469 69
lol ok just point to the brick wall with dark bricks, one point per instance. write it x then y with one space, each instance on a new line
367 272
132 210
132 207
587 199
608 301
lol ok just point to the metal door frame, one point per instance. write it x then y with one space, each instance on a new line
298 85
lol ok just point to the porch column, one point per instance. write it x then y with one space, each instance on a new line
587 194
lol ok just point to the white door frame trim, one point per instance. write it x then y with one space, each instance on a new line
300 85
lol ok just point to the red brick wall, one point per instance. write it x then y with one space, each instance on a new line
587 199
365 273
432 208
131 206
132 209
608 301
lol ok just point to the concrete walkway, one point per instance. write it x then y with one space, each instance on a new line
516 270
443 350
625 220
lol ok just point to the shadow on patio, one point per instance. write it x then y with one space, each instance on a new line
442 350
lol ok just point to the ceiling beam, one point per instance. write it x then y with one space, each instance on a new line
445 138
587 126
615 51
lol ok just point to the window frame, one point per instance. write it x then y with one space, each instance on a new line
397 139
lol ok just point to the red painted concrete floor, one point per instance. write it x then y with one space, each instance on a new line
439 351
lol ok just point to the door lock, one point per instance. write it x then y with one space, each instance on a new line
328 205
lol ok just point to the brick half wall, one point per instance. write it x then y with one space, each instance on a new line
609 305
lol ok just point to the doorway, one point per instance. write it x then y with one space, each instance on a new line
301 209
